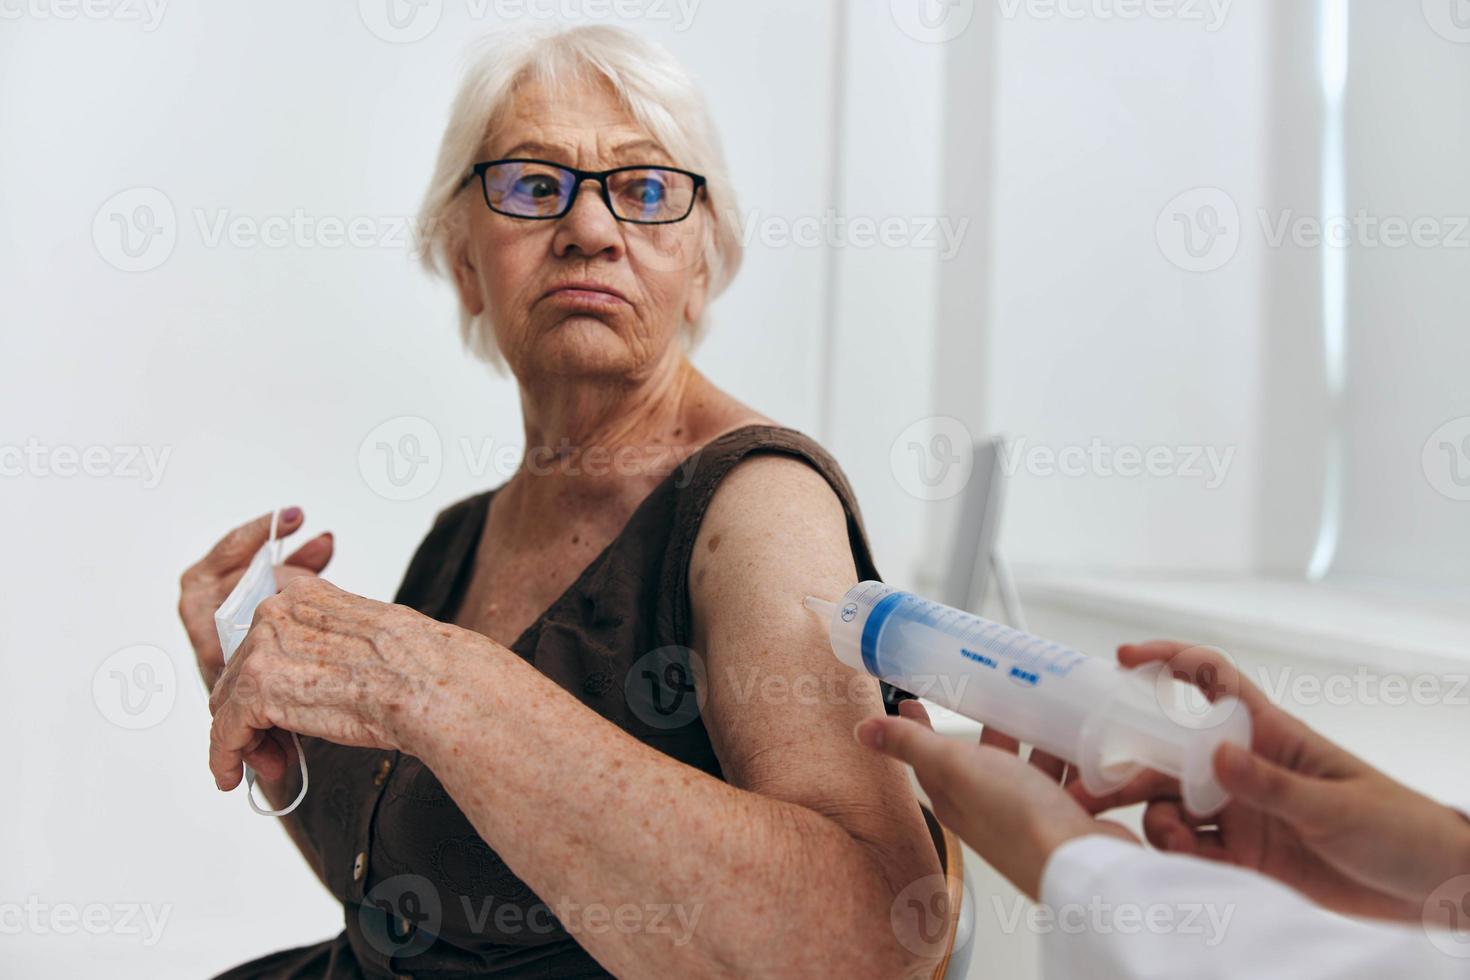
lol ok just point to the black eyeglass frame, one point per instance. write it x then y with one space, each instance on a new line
600 176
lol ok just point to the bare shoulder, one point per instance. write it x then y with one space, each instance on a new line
766 480
774 532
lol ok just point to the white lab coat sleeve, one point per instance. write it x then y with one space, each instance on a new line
1113 909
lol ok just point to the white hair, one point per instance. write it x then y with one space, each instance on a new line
644 76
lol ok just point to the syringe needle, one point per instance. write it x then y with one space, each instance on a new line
824 606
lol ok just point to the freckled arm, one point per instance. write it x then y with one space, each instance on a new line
791 867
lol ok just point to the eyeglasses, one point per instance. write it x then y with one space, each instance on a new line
541 190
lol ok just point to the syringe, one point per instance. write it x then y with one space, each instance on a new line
1108 721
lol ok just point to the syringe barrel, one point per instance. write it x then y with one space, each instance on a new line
1026 686
1092 713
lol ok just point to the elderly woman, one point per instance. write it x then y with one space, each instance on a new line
597 732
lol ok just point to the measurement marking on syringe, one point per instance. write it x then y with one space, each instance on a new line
1023 657
979 658
1025 676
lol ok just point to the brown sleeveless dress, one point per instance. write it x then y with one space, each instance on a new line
422 894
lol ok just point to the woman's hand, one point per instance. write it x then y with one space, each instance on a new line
1013 814
1302 810
323 662
206 584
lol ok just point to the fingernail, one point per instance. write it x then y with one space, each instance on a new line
870 733
291 514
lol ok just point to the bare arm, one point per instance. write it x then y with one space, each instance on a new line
789 868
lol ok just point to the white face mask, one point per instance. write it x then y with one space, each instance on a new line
232 621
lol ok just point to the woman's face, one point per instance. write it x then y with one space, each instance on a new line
519 270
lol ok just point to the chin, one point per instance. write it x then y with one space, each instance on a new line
584 346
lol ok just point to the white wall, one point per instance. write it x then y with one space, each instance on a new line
1406 507
1095 336
884 283
1096 328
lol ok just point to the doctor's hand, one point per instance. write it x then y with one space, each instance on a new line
1013 813
209 581
323 662
1302 810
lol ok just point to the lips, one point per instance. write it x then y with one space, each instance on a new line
585 291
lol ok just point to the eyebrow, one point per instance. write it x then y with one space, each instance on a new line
646 146
536 149
561 152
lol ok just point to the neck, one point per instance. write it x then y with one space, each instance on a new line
576 415
593 441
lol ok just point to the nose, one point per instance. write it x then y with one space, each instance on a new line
589 228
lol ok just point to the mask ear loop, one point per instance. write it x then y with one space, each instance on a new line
275 540
275 545
250 785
